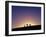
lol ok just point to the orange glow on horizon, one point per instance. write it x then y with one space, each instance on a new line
24 22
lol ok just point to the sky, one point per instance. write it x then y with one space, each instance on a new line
22 15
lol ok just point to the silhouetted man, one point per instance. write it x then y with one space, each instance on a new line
27 25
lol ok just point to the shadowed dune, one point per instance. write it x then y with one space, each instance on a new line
36 27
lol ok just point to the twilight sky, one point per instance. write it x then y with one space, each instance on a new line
22 15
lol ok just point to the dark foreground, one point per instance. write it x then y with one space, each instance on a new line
37 27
